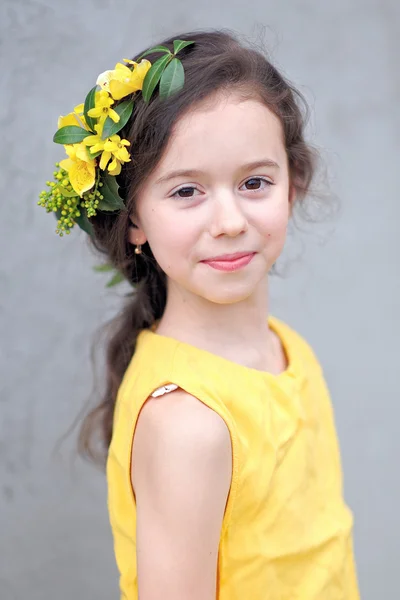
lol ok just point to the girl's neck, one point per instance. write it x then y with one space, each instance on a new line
238 332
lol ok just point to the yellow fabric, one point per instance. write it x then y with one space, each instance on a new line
286 533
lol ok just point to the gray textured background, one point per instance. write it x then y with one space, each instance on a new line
343 294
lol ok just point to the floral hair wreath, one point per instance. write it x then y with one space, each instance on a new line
85 182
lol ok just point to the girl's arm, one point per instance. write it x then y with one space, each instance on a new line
181 475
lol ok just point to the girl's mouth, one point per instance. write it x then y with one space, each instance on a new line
230 262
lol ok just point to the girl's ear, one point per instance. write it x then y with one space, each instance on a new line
136 235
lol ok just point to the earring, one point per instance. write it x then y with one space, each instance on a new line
138 249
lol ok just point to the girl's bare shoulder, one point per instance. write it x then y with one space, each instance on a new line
176 422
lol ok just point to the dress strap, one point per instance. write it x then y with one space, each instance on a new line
164 389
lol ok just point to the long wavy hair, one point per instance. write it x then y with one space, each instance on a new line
218 62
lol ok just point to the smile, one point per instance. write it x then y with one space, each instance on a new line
230 262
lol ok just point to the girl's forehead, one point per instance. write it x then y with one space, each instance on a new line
241 130
225 114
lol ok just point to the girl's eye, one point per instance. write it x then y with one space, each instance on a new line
185 192
254 184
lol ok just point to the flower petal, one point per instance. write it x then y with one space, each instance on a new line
116 170
122 70
110 146
119 90
138 75
91 140
103 80
97 147
66 164
112 164
105 157
123 154
82 152
113 115
82 176
95 112
70 150
70 119
143 67
102 96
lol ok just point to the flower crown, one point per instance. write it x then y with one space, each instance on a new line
85 182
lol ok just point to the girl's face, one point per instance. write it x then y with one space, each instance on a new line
221 188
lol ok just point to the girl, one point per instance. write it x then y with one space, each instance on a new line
223 466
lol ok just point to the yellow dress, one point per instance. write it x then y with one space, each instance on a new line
286 533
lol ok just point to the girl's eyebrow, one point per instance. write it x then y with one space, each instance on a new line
265 162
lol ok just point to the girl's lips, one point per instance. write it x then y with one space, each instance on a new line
231 262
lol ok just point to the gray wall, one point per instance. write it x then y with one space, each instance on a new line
343 293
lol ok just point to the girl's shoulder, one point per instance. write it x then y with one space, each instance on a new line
180 418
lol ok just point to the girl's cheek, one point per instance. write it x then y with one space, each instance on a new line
277 221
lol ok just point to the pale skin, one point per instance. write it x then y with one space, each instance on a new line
235 196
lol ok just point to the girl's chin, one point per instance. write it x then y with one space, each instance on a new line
228 293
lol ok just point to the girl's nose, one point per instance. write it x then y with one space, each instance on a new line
228 217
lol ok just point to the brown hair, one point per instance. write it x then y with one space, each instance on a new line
216 63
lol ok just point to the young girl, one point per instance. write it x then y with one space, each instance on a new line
223 465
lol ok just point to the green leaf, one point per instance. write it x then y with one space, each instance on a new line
124 109
172 79
103 268
70 134
89 104
84 223
179 44
155 49
153 76
112 201
118 278
67 193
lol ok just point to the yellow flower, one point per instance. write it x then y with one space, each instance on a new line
74 118
112 148
103 109
81 169
121 81
95 142
117 147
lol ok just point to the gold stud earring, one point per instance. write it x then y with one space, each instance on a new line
138 249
